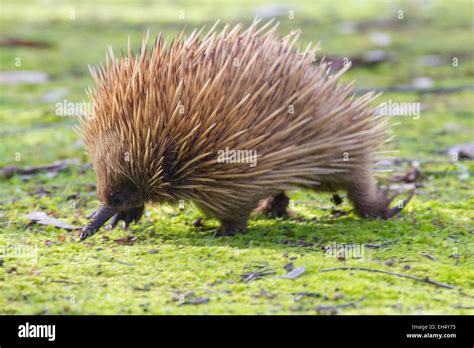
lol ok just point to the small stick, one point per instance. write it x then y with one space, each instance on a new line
374 246
256 275
9 171
124 263
63 281
429 256
424 280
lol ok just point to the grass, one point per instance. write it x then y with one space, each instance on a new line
173 266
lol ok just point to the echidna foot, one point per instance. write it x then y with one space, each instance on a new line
390 212
380 208
128 216
232 227
227 233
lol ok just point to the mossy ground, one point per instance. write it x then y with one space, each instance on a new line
170 257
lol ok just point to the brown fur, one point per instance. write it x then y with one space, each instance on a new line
161 117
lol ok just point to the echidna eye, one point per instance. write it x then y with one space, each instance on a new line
117 200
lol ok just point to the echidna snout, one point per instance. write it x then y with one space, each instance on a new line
125 205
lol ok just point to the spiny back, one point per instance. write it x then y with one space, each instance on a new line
160 117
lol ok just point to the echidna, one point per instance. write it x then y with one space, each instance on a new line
226 121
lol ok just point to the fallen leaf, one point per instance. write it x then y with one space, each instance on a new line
413 174
462 151
42 218
294 273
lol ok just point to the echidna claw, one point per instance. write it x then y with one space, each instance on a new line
97 220
395 210
115 219
84 233
128 216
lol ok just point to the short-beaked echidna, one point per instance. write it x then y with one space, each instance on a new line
225 121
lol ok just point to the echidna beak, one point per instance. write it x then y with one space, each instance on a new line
98 219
